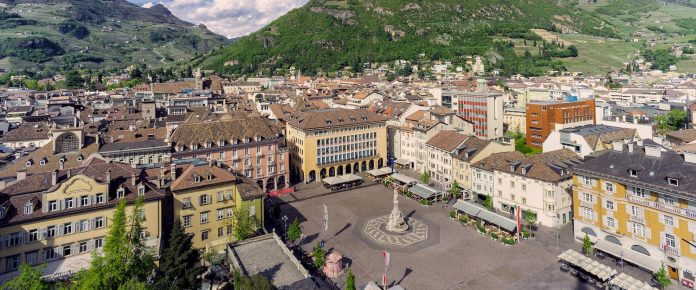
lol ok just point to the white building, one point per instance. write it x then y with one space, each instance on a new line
586 140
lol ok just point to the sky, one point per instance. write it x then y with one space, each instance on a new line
231 18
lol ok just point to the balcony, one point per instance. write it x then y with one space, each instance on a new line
259 154
235 157
636 219
271 162
672 251
586 204
663 207
247 166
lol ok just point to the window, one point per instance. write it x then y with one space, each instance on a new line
98 243
668 199
204 235
586 181
220 214
204 217
29 208
84 200
205 199
586 213
586 197
639 192
608 186
220 196
252 210
67 228
31 257
53 205
610 222
12 263
633 210
610 204
33 235
51 231
524 187
638 229
186 202
220 232
67 251
99 222
668 220
49 254
69 203
141 189
672 181
120 193
186 221
230 212
500 181
100 198
670 241
512 184
632 173
229 230
83 247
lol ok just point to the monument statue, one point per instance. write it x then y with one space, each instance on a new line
396 221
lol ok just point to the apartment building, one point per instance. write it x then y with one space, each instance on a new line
637 202
546 117
470 152
60 217
331 142
589 139
483 109
516 120
539 184
441 149
206 198
254 147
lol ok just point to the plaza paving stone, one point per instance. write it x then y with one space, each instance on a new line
453 256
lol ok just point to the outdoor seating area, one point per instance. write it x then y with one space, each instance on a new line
487 222
401 182
379 174
425 194
402 163
629 255
587 270
342 181
626 282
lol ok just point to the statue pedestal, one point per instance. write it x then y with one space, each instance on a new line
396 222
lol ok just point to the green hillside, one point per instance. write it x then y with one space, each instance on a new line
331 35
49 35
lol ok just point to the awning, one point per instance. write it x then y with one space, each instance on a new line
626 282
467 207
501 221
629 255
335 180
423 191
404 179
601 271
403 162
380 172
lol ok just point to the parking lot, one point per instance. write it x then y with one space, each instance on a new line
454 257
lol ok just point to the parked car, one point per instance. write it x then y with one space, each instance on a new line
600 255
564 267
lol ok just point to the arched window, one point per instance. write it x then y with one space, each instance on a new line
589 231
67 142
613 239
640 249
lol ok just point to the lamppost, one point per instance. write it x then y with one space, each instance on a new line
285 222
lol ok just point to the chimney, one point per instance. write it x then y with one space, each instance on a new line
630 147
54 177
653 151
69 173
21 174
639 142
617 146
172 171
690 157
108 176
133 179
61 165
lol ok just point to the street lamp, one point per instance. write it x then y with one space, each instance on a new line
285 222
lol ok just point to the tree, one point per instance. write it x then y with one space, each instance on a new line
455 189
662 278
586 245
531 218
125 260
488 202
294 231
319 256
425 177
73 80
29 279
350 280
244 225
179 263
255 282
672 121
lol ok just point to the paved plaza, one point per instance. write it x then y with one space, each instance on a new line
448 256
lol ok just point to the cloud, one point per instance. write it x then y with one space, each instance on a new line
232 18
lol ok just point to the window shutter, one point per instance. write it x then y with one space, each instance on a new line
59 230
76 226
90 245
93 199
61 204
93 223
648 233
42 233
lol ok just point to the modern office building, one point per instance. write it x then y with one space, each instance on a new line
483 109
546 117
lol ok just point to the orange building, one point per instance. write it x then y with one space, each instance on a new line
546 117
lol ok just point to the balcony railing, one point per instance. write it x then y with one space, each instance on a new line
674 251
663 207
587 204
636 219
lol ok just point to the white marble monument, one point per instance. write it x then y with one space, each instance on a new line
396 221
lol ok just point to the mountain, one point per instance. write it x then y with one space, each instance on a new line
515 36
329 35
38 34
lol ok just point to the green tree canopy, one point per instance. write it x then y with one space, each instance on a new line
179 263
425 177
662 278
350 280
586 245
319 256
672 121
294 231
28 279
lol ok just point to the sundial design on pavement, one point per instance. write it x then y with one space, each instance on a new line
376 229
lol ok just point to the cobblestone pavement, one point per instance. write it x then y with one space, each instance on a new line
453 257
376 229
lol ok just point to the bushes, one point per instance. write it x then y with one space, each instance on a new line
481 228
426 202
464 219
508 241
494 235
525 233
453 214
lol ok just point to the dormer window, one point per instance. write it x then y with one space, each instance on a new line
209 176
196 178
195 146
524 171
512 168
633 172
141 189
80 157
28 208
29 162
673 181
2 213
42 162
120 192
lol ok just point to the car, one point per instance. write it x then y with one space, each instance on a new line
564 267
600 255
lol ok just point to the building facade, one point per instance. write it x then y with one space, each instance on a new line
484 110
516 120
637 201
331 142
546 117
61 217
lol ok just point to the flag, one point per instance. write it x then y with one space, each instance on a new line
386 265
326 218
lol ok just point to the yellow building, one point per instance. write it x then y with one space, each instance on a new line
333 142
206 198
638 203
470 152
516 120
60 217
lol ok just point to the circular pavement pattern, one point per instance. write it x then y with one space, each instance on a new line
376 229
